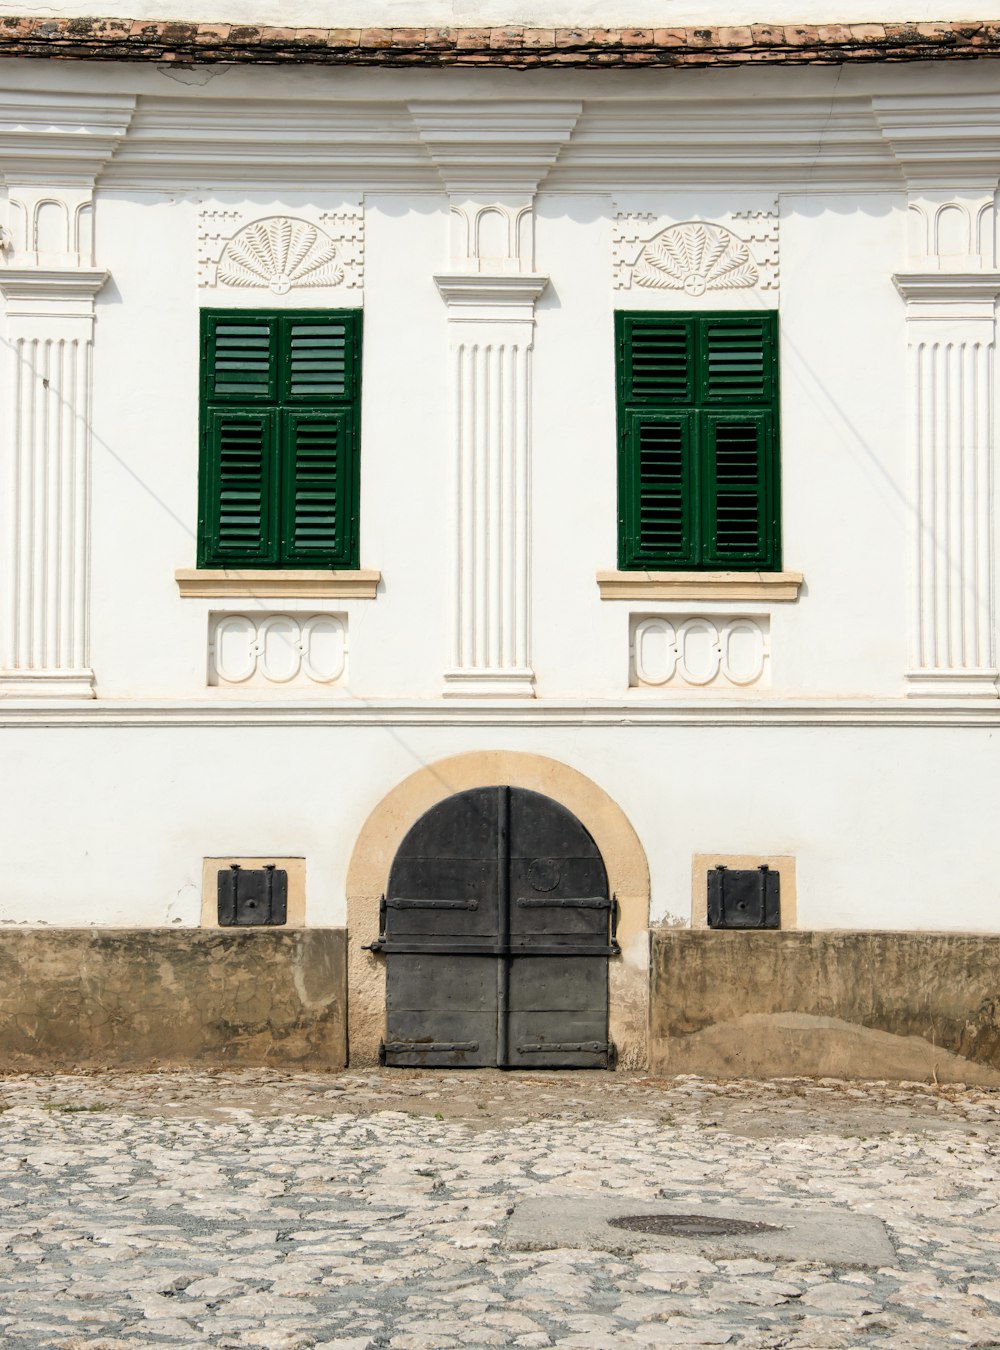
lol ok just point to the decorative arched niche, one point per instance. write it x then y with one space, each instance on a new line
383 832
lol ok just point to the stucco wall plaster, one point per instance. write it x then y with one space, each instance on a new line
842 448
109 825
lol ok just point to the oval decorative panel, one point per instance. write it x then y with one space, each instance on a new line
699 651
276 649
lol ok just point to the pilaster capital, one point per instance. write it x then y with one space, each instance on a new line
486 147
51 293
949 296
477 297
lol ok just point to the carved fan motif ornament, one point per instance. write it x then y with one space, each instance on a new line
695 258
280 253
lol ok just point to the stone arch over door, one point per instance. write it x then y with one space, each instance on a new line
384 830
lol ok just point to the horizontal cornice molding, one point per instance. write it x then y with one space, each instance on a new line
511 45
641 711
487 147
483 146
190 139
768 143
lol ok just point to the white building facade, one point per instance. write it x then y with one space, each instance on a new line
364 443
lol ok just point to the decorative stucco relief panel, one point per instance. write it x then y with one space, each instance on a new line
700 651
246 249
273 649
711 247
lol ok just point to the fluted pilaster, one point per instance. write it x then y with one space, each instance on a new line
491 329
45 548
951 341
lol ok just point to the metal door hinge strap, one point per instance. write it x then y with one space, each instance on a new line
401 902
418 947
420 1047
566 1047
582 902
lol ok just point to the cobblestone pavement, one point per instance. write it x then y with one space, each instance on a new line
358 1211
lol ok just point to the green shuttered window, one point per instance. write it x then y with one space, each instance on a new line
698 480
280 405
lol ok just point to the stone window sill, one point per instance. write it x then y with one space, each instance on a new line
361 584
699 585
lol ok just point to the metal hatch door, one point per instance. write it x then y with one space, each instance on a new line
496 934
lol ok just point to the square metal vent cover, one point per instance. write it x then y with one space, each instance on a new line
744 898
252 896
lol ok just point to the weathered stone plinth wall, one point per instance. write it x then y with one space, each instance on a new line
855 1005
90 997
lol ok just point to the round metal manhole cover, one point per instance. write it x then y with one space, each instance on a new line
691 1225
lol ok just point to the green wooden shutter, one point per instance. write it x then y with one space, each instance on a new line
318 358
320 362
280 417
736 359
238 524
239 358
318 450
657 359
661 525
698 440
739 525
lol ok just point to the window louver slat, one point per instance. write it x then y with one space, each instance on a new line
663 457
739 529
316 483
736 360
242 450
660 360
317 360
242 361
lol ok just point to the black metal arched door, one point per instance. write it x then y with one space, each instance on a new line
496 935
